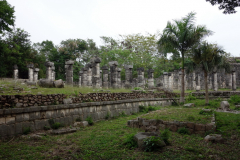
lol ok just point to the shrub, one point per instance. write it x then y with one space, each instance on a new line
26 130
152 143
78 119
190 97
129 141
143 109
122 114
235 99
90 121
137 88
57 125
46 128
214 104
205 113
107 116
183 130
190 118
150 108
165 135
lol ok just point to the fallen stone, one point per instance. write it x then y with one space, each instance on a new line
84 124
225 106
189 105
198 88
63 131
67 101
214 138
140 137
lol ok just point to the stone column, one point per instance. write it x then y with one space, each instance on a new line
69 72
49 65
198 81
100 79
53 72
35 74
230 80
128 76
209 81
180 81
215 82
30 72
15 72
84 77
193 81
170 81
234 82
119 78
150 78
80 78
89 74
165 79
113 74
95 61
105 77
141 77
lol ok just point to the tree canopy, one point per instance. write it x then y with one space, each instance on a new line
228 6
7 17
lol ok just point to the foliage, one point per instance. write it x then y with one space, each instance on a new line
235 99
152 143
129 141
179 37
190 118
205 113
226 5
26 130
122 114
190 97
107 116
145 109
6 16
89 120
183 130
165 135
56 125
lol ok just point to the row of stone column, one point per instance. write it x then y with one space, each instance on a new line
32 73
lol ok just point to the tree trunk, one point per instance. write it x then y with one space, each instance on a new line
206 87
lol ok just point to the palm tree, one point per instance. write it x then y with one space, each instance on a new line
179 37
209 57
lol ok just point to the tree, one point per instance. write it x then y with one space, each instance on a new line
7 17
227 5
209 57
179 37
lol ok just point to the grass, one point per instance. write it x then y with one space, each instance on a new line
67 90
105 140
172 113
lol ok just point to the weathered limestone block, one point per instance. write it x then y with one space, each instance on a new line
48 83
128 76
141 77
84 77
89 74
113 74
95 61
119 77
30 72
225 106
53 72
15 72
69 72
105 77
35 74
49 65
150 78
214 138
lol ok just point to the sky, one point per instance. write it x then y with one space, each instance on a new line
58 20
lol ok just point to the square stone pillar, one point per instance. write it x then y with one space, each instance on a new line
165 79
95 61
128 76
215 81
141 77
15 72
101 79
113 74
105 77
119 78
84 77
53 72
234 81
35 74
180 80
89 74
49 65
150 78
170 81
80 78
69 72
30 72
193 81
230 80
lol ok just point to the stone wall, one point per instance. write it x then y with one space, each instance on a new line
14 121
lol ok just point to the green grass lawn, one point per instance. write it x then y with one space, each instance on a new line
104 140
172 113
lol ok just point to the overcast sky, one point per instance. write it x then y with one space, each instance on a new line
58 20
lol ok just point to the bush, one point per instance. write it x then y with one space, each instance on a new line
165 135
214 104
122 114
143 109
129 141
90 121
183 130
150 108
235 99
190 118
26 130
57 125
190 97
137 88
107 116
152 143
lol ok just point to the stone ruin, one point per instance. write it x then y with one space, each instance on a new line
109 76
